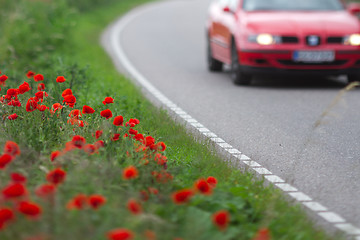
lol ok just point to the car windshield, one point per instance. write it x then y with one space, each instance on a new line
292 5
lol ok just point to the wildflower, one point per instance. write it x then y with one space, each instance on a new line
221 219
89 148
99 144
42 108
12 92
106 113
6 215
78 141
115 137
55 155
3 79
144 195
14 190
70 100
120 234
132 131
132 122
56 106
13 116
78 202
130 173
60 79
17 177
31 105
38 77
56 176
203 187
149 141
182 196
161 146
30 74
66 92
23 88
96 201
262 234
87 110
5 159
11 148
98 134
118 121
108 100
134 207
29 209
212 181
139 137
153 190
41 87
45 190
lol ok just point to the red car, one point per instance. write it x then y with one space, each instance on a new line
284 36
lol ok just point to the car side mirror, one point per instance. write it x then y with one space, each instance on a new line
226 9
354 8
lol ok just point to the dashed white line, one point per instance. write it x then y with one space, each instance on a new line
330 217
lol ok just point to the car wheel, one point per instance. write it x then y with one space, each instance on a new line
238 77
213 64
353 78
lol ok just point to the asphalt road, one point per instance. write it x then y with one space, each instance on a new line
272 121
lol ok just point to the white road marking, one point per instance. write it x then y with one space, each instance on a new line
115 33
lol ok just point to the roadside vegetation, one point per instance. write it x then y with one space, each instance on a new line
86 156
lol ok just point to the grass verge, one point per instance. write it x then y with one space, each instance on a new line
65 41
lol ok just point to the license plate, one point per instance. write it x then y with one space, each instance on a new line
313 56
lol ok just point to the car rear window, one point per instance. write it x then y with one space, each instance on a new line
292 5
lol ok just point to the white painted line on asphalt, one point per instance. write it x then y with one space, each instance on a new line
331 217
217 140
286 187
348 228
315 206
273 178
115 34
301 197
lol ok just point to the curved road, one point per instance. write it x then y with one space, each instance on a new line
272 121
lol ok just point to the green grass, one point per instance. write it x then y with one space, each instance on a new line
92 76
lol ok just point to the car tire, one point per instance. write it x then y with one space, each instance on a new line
353 78
238 77
213 64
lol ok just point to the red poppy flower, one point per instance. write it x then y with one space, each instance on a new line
161 146
13 116
14 190
6 214
221 219
23 88
160 159
130 173
66 92
182 196
149 141
17 177
203 187
133 131
115 137
118 121
38 77
41 87
42 108
134 207
56 106
3 79
78 202
262 234
70 100
31 105
12 92
139 137
120 234
87 110
98 134
5 159
60 79
132 122
30 209
78 141
75 114
30 74
212 181
106 113
11 148
153 190
45 190
55 155
96 201
108 100
89 148
99 144
56 176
